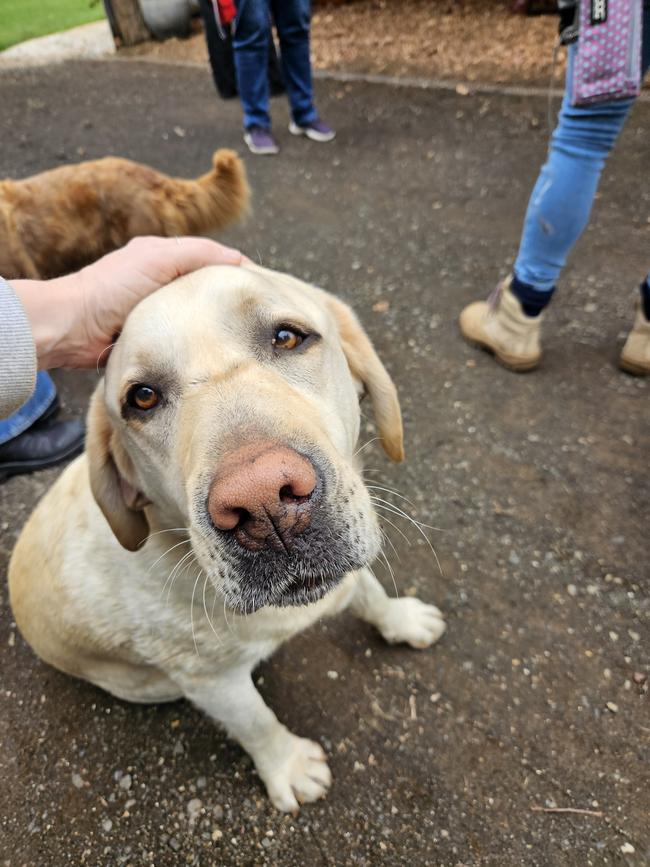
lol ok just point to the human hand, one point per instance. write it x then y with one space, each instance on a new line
76 318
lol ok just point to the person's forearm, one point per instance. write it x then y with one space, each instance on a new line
48 305
75 319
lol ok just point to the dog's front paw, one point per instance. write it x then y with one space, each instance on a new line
411 621
301 776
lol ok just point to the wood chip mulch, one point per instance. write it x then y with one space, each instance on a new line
473 41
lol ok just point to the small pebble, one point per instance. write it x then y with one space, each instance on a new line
194 807
612 707
628 848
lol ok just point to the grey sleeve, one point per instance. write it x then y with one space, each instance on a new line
17 353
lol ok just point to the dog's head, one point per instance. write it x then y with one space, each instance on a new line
230 406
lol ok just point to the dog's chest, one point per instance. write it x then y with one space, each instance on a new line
195 631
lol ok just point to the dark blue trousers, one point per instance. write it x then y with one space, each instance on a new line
251 47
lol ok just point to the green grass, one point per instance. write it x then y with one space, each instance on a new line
26 19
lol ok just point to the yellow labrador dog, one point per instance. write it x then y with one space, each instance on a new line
219 509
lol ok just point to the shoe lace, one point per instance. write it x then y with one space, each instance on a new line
494 298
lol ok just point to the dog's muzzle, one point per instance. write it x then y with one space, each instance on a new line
282 543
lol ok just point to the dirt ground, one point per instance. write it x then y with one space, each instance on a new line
475 40
536 698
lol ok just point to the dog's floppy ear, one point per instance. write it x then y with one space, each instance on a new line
118 499
365 365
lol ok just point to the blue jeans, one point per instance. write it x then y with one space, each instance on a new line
560 204
29 412
251 50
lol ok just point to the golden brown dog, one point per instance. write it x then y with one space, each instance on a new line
62 219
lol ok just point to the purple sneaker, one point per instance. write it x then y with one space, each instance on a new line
318 130
260 141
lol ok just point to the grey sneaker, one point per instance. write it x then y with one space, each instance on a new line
316 131
260 141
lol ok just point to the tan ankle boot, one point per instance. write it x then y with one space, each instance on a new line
501 326
635 355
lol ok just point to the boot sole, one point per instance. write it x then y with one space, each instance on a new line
632 367
17 468
517 365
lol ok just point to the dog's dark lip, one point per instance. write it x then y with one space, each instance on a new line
299 592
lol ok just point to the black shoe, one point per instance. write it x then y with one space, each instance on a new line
44 444
50 413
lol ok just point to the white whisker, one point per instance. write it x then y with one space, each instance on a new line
164 554
198 575
393 492
404 514
392 574
365 445
189 559
205 608
388 539
395 510
225 617
170 530
173 570
394 526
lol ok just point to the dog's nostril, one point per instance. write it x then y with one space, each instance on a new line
243 517
289 495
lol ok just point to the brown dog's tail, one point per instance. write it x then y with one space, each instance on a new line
210 202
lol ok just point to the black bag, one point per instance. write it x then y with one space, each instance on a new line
222 62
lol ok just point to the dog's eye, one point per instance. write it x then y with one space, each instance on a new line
285 338
143 396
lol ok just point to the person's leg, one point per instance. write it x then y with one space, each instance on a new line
558 211
292 18
31 439
42 397
251 49
645 297
561 201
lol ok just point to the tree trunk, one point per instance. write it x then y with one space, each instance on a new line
127 22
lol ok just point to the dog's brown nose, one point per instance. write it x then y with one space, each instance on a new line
264 493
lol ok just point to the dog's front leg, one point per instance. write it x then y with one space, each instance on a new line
293 769
399 620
